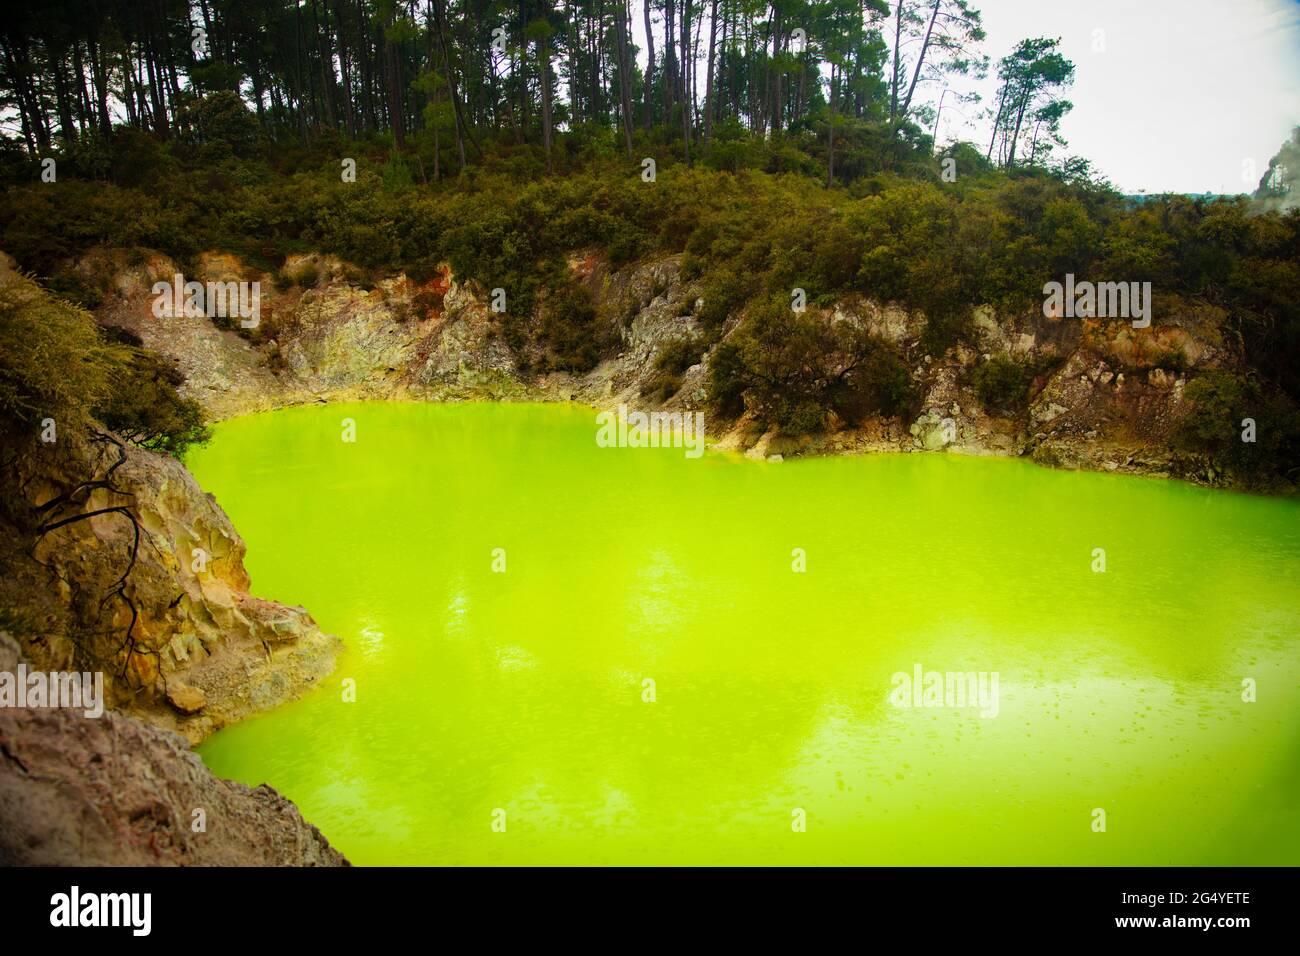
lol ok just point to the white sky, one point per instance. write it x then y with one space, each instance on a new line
1184 95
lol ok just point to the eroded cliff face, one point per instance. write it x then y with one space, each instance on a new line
114 791
332 341
181 641
1103 401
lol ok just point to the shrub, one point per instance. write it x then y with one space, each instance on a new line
723 294
55 363
679 355
945 326
144 407
881 385
727 380
570 328
221 123
1002 383
799 367
671 363
1216 425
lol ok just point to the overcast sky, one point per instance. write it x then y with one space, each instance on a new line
1184 94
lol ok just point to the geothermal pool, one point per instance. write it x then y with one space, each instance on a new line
565 654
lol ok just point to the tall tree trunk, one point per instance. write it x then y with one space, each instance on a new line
297 92
440 20
369 115
345 65
623 19
830 134
155 88
997 121
326 63
129 91
920 60
898 38
778 115
670 60
393 76
85 111
685 87
801 101
934 133
649 69
708 74
544 65
99 76
695 60
575 100
1015 137
64 106
597 105
1033 142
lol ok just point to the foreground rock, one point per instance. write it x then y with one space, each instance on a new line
113 791
180 640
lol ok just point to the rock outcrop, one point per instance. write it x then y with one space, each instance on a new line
181 641
1109 397
114 791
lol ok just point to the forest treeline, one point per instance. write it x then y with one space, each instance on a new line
441 77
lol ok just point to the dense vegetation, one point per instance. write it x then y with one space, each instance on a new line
748 235
59 371
790 147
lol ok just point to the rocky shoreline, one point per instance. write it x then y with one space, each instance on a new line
1111 400
113 561
201 652
117 791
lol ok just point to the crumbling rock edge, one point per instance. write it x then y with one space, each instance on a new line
115 791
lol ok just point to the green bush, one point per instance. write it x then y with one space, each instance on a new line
724 293
679 355
1217 426
56 363
571 329
144 407
221 124
800 367
727 380
53 361
1002 383
670 364
881 385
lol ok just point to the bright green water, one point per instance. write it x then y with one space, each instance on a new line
522 691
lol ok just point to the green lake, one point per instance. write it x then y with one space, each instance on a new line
649 680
